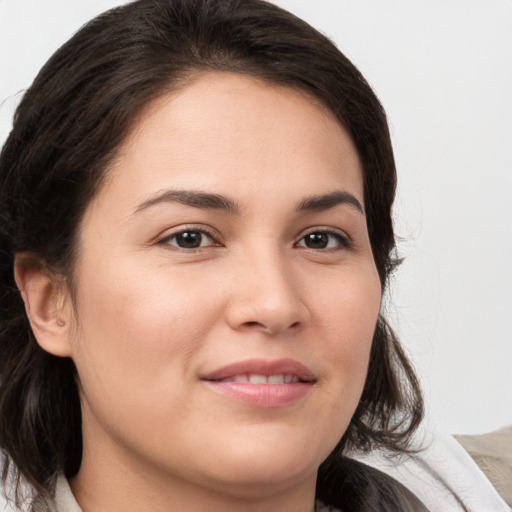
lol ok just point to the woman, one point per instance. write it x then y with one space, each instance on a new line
196 234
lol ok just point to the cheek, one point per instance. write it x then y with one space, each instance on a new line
349 303
137 336
134 330
349 313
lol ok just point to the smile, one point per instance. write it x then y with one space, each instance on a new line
263 379
260 383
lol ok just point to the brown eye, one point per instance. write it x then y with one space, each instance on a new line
189 239
319 240
316 240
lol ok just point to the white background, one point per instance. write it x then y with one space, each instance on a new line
443 70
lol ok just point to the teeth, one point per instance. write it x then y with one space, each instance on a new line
257 379
275 379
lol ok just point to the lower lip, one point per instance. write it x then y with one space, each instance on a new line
262 395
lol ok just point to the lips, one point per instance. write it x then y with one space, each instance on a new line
262 383
262 367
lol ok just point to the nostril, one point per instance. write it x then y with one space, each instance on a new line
252 324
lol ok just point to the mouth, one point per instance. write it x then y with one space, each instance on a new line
262 383
255 378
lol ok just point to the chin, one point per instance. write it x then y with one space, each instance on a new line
269 462
254 479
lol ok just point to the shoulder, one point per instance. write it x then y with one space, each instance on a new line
443 475
493 454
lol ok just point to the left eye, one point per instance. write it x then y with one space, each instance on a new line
189 239
323 240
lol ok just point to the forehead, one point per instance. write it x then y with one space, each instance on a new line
228 131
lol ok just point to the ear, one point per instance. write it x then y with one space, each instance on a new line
47 303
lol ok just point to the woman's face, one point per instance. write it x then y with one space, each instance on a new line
226 292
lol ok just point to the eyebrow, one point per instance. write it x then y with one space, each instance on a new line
211 201
326 201
191 198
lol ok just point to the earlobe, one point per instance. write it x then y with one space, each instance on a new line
46 303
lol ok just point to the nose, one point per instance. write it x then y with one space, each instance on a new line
266 296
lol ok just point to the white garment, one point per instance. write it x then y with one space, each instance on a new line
64 500
443 476
4 507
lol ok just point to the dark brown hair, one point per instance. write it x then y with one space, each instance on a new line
66 130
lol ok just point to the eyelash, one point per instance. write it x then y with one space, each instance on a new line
342 240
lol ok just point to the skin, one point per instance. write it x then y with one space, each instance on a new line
149 317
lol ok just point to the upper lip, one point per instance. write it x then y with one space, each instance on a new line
261 367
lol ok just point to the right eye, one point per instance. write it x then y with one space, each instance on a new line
189 239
